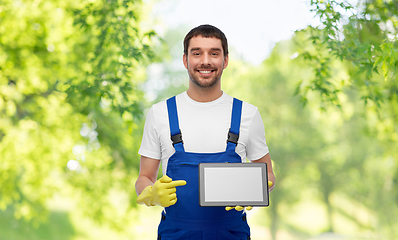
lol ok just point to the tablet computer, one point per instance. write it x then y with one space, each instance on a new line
233 184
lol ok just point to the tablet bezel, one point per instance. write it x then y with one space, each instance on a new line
264 176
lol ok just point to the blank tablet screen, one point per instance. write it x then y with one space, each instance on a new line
233 184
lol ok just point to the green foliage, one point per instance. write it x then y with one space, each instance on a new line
365 38
112 47
69 90
57 227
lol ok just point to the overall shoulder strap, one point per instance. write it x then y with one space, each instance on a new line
175 131
233 134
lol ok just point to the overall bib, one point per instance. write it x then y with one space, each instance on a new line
187 220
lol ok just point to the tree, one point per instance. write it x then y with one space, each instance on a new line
70 103
364 37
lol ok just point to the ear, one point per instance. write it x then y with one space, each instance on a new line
185 61
226 61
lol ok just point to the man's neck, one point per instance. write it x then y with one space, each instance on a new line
204 95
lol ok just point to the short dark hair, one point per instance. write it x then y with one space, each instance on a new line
206 31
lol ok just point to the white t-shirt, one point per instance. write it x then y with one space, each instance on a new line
204 128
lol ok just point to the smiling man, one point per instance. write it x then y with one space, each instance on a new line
201 125
205 58
205 61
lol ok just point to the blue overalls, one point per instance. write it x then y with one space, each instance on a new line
186 220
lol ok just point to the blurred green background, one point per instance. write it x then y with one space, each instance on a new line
76 78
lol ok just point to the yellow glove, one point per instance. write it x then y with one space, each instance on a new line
270 185
239 208
248 208
162 193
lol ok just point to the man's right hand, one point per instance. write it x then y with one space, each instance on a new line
162 193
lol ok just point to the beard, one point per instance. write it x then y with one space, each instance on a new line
204 82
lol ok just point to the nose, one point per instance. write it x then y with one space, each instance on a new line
206 59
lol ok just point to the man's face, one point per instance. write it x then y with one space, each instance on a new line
205 61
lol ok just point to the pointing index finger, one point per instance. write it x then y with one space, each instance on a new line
177 183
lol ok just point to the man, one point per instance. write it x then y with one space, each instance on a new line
192 128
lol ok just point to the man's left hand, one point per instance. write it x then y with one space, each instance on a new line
248 208
239 208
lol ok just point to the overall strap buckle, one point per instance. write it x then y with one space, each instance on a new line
232 137
177 139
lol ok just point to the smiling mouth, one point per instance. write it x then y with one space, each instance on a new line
205 71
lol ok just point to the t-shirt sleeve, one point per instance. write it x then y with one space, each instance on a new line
150 145
256 147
